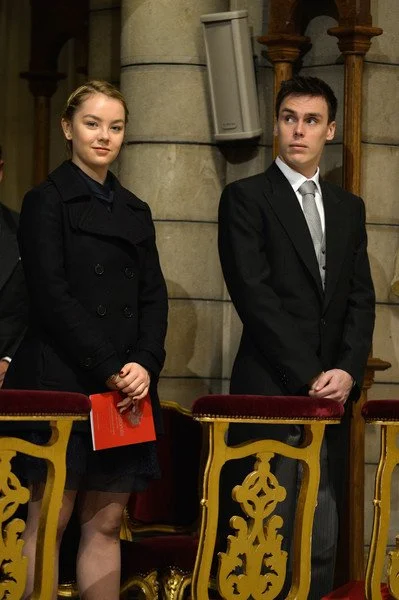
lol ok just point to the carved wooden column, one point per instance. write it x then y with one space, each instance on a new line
354 42
42 86
283 50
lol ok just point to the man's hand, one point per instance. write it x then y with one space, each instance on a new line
334 384
4 364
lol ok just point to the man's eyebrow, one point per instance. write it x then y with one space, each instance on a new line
307 115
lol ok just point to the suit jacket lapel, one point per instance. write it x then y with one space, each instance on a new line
287 208
337 231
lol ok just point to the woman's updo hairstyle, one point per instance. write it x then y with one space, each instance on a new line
83 92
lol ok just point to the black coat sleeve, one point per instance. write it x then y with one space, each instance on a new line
153 310
360 315
13 312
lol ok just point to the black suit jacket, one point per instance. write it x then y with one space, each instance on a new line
98 296
292 330
13 296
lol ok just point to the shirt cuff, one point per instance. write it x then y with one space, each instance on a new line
6 358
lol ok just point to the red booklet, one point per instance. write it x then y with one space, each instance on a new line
110 428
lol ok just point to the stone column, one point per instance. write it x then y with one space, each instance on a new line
171 162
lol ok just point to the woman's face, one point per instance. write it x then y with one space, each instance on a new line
96 132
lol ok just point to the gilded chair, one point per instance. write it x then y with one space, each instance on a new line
61 409
180 561
386 414
160 530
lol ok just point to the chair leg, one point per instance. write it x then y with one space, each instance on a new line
393 570
210 511
382 500
306 505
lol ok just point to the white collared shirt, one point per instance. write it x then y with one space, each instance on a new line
295 179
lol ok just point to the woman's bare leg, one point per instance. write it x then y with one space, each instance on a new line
30 534
98 563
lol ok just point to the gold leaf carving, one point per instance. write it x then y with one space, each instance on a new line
13 566
254 564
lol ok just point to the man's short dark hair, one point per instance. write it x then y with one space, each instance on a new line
308 86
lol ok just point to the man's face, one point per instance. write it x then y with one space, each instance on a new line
302 129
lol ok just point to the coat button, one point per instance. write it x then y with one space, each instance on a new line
127 311
129 273
99 269
128 350
87 362
101 310
323 322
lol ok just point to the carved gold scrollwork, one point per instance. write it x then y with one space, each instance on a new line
254 564
13 566
147 584
174 582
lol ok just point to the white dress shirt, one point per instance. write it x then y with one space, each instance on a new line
296 180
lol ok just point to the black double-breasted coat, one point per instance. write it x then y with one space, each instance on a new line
98 296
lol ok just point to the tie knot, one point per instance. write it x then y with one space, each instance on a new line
308 187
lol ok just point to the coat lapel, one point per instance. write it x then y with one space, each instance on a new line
337 233
287 208
127 221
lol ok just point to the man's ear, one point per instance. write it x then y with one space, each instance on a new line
331 127
66 128
275 131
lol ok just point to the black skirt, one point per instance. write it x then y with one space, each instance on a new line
123 469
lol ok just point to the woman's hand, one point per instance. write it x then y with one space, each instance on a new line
133 381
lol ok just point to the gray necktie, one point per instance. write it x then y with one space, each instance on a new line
308 190
312 216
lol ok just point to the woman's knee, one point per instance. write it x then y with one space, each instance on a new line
107 522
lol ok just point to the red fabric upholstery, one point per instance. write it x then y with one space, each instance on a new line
172 499
381 410
158 552
272 407
28 402
354 590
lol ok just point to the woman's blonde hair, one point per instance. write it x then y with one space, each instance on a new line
83 92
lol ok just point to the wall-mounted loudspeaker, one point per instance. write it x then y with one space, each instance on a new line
231 74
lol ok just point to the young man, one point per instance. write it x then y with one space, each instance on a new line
13 297
295 263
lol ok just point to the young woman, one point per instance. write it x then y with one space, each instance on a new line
97 321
